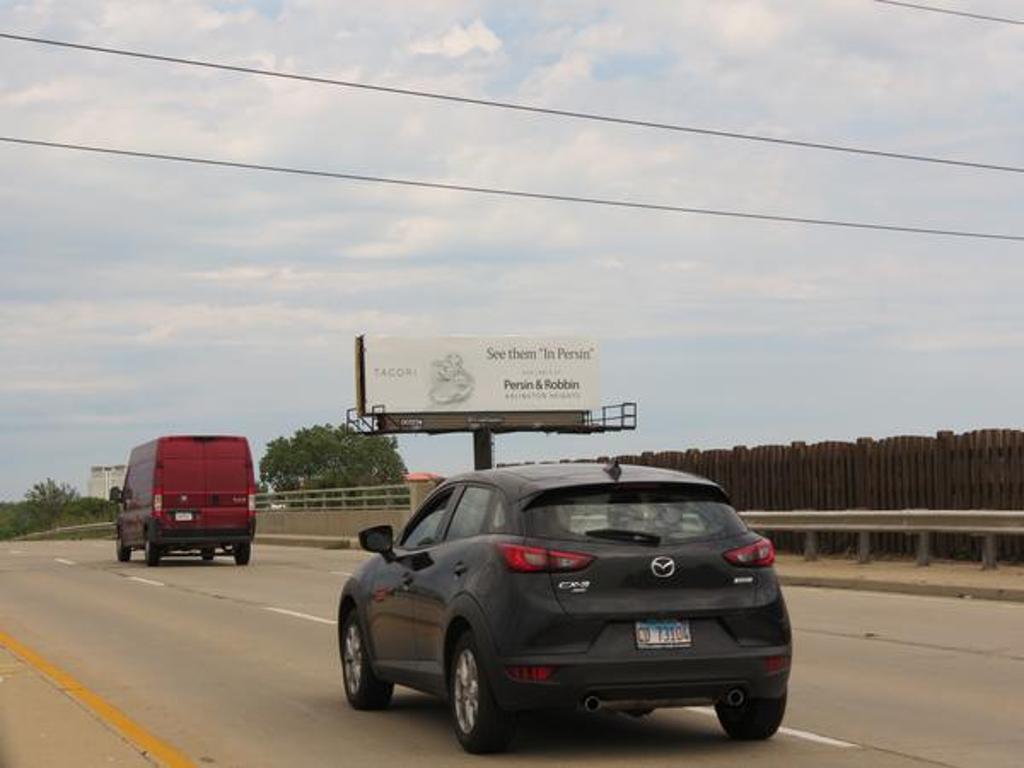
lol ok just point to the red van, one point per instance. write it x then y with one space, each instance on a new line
191 494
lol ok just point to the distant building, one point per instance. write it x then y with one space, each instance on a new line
104 477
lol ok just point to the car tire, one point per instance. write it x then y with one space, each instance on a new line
207 554
153 554
124 554
363 689
481 726
755 720
243 553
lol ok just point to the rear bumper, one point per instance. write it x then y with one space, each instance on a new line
197 538
648 683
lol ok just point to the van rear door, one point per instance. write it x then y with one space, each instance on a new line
229 475
206 482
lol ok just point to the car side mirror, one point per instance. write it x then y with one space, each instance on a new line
379 539
115 495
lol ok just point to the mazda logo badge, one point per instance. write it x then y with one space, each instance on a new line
663 567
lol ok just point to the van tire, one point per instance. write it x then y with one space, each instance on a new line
207 554
153 554
124 554
243 553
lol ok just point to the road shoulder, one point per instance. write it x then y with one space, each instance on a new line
39 725
940 579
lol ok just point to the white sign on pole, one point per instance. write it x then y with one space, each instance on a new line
478 374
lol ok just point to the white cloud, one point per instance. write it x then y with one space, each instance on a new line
115 269
343 281
61 382
460 40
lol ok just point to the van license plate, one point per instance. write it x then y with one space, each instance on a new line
184 517
662 634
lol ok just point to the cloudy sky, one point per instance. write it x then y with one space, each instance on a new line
139 298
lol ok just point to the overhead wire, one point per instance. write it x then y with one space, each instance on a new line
527 108
513 193
951 12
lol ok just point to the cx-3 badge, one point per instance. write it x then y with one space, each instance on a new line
663 567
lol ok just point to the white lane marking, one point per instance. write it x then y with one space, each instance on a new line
15 552
62 561
795 733
342 573
298 615
147 581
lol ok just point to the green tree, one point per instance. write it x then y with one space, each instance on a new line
325 456
46 502
50 504
50 493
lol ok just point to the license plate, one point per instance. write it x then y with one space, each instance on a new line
183 517
658 633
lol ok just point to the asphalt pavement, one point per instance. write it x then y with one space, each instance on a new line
238 667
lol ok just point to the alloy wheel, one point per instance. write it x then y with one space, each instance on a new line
467 691
352 654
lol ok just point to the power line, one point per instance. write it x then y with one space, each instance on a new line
950 11
497 191
549 111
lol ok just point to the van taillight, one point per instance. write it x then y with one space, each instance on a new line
252 503
158 503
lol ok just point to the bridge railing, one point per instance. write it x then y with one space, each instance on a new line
922 523
67 529
363 498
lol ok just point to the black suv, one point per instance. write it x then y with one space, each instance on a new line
570 586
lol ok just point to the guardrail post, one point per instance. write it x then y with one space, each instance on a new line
988 552
863 546
811 545
924 548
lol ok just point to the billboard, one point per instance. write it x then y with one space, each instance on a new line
474 374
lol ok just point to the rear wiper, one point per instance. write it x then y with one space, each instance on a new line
623 534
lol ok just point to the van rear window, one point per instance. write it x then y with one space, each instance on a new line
184 475
227 476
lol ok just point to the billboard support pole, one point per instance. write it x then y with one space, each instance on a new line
483 449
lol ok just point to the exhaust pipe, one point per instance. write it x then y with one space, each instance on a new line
591 704
735 697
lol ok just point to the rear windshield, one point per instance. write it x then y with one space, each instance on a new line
671 512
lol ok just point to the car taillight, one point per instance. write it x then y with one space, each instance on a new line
774 664
529 674
760 554
523 559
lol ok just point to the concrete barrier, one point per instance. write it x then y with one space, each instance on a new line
326 522
344 522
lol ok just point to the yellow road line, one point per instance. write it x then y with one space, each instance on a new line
134 733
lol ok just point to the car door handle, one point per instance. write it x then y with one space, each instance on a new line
460 568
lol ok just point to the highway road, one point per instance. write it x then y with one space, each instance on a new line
239 667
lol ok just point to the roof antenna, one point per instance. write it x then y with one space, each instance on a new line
613 469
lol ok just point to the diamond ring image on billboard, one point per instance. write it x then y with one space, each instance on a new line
449 381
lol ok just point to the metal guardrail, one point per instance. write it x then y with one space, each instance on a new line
362 498
923 523
66 529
